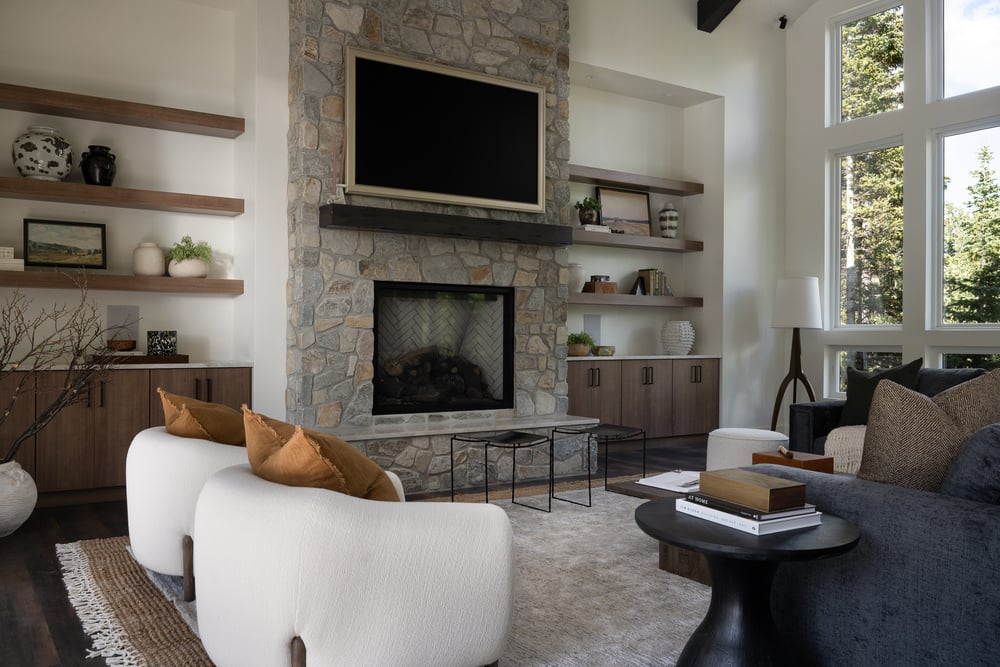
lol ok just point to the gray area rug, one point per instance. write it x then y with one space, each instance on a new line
588 590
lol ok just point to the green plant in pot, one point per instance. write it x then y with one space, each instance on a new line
588 209
189 259
579 344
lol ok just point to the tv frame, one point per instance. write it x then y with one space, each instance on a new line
353 186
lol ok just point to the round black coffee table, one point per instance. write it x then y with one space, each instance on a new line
739 628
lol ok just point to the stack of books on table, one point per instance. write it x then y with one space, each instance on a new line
751 502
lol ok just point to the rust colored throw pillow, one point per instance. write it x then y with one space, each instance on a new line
912 440
293 456
190 418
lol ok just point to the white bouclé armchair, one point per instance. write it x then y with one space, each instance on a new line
289 574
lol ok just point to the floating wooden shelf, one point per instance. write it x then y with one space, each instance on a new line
81 193
625 181
581 237
101 281
87 107
590 299
440 224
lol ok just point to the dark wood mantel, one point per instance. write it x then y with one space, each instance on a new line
394 221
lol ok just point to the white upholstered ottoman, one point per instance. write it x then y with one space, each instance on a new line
734 447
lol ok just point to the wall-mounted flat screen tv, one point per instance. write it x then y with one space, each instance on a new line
423 131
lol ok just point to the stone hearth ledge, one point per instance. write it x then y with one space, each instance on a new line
454 427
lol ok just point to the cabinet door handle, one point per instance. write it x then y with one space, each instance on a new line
101 404
597 374
197 389
89 390
208 389
652 379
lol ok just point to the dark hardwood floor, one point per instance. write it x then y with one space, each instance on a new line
37 623
38 626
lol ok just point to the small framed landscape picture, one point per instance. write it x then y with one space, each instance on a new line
72 245
625 212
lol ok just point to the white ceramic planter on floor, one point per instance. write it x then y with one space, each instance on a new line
18 495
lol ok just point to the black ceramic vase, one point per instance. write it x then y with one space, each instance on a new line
98 166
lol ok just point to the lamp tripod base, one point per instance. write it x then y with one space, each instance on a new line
794 374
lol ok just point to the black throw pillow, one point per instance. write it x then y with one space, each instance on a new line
861 386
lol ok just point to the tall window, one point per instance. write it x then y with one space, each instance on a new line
871 237
971 253
871 64
971 45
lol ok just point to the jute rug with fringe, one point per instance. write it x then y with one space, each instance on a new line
588 594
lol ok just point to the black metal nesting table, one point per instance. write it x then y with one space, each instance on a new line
513 440
603 433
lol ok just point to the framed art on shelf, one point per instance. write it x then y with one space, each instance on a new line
624 211
71 245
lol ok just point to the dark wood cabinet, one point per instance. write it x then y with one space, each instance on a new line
647 390
84 447
228 386
666 397
696 396
22 413
595 390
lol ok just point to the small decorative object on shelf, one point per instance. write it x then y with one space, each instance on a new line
576 278
189 259
604 350
579 344
42 154
98 166
669 221
159 343
148 260
588 208
678 337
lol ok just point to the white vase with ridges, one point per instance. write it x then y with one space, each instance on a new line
678 337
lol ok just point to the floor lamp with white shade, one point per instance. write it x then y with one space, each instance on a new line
796 306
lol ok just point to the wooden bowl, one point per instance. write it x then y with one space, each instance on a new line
604 350
578 350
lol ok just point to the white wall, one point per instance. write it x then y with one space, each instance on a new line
206 56
735 145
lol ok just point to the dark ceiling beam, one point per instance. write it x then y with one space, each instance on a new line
712 12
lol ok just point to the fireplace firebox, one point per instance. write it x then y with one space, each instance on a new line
443 348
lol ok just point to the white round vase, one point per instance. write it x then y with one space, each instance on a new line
678 337
577 278
148 260
188 268
18 495
42 154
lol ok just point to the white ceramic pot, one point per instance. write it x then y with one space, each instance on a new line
148 260
188 268
41 153
18 495
678 337
577 278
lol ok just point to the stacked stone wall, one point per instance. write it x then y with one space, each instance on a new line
331 296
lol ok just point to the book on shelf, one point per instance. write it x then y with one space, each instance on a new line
745 524
748 512
655 281
604 229
753 489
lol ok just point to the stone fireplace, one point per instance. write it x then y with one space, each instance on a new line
333 271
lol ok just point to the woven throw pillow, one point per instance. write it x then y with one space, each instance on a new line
861 387
912 440
290 455
975 474
190 418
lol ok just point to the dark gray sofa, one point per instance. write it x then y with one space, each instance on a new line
810 423
921 587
